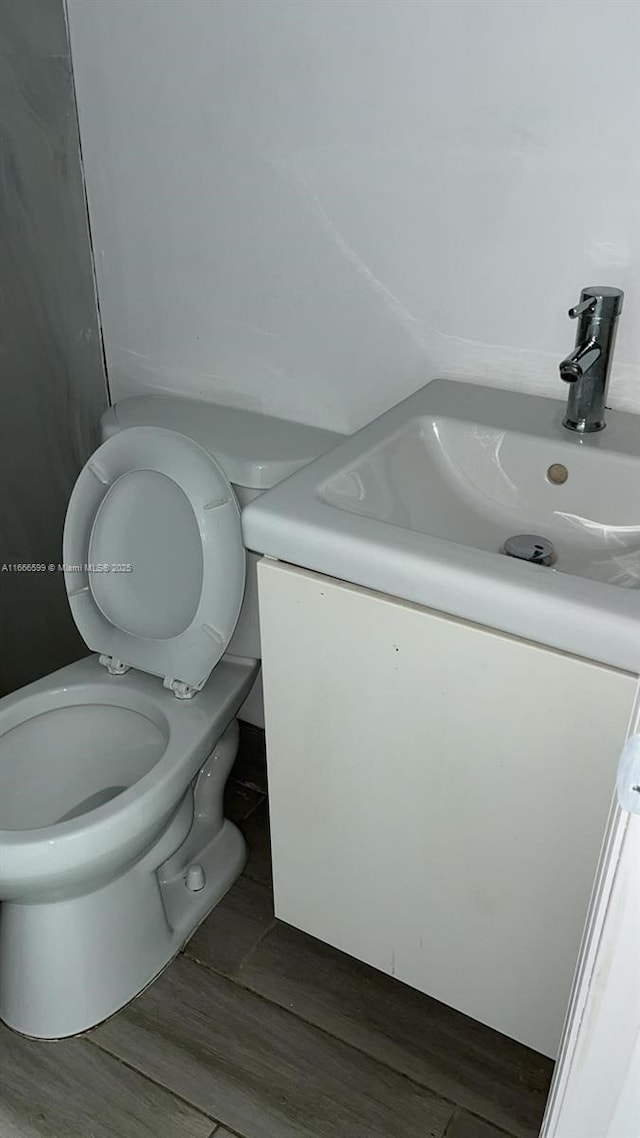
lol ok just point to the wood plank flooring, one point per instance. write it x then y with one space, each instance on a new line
72 1089
258 1031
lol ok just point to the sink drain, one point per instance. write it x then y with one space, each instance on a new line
530 547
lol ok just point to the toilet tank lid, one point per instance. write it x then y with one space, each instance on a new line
254 450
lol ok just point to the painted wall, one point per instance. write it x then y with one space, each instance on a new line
52 388
310 207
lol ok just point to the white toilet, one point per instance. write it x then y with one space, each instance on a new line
113 844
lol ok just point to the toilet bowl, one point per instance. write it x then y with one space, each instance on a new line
113 843
95 856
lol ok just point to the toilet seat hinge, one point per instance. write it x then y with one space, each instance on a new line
113 666
180 689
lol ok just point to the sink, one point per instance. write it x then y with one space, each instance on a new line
479 485
420 504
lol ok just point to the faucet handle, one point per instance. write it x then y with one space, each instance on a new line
584 306
602 301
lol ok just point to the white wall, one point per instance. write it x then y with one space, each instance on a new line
310 207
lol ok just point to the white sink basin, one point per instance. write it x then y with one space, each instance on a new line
420 503
479 485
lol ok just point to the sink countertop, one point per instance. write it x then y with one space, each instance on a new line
307 521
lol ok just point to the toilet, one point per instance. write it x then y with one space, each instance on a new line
113 842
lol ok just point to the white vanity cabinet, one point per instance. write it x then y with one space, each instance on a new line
438 794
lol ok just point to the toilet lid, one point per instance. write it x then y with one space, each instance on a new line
153 554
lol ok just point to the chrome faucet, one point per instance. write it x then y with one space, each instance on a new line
587 368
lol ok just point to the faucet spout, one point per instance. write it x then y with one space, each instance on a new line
587 369
581 359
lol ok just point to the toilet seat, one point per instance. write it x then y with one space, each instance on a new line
154 558
42 850
92 875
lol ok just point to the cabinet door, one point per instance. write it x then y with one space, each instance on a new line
438 794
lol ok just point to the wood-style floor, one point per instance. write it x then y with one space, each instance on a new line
259 1031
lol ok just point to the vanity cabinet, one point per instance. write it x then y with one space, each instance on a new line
438 794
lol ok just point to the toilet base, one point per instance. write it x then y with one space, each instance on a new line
67 965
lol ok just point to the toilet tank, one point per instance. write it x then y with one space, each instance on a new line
255 451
